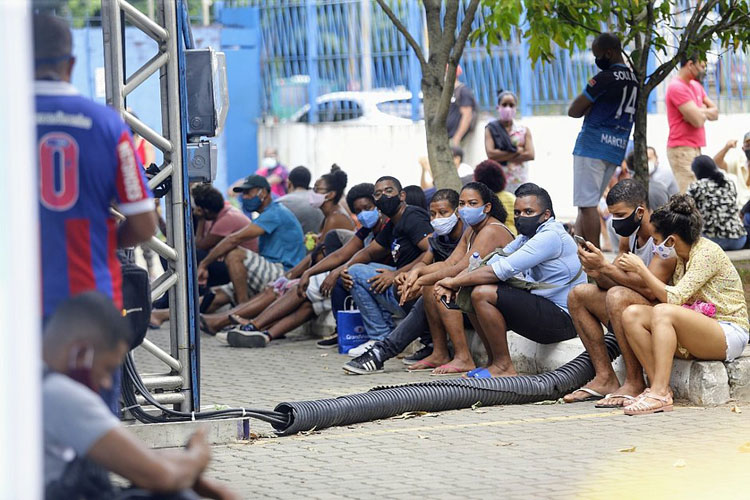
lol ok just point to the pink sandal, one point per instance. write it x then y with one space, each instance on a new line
649 402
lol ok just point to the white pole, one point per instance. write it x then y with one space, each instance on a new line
20 365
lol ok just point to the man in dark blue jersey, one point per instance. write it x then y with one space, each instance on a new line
608 104
86 163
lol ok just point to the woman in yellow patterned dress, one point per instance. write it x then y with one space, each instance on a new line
701 315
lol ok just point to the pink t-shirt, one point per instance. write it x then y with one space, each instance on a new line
681 133
228 221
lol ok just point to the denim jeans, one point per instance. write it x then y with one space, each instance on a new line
730 243
412 327
377 309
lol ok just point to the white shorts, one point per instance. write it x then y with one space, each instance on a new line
590 178
736 339
319 303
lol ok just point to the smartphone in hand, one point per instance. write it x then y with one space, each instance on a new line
581 242
449 305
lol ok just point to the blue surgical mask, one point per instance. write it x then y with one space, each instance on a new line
444 225
472 215
663 251
250 205
368 218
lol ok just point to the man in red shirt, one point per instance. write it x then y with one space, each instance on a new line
688 108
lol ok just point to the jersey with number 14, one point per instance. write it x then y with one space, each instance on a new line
606 128
87 163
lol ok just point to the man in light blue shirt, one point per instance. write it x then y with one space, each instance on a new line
526 289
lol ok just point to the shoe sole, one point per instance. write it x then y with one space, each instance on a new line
237 339
360 371
319 346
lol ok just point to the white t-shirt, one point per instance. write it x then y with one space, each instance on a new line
646 252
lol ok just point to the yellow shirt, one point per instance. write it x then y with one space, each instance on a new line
508 201
709 276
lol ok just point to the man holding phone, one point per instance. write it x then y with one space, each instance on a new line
594 305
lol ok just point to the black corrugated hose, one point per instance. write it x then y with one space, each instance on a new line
440 395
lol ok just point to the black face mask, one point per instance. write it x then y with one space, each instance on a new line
388 205
626 226
527 226
603 63
747 153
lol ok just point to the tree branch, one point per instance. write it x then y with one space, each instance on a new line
569 19
402 29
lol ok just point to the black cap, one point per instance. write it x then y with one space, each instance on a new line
253 181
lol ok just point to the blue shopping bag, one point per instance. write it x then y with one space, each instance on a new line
350 327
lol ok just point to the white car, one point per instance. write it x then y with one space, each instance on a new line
377 107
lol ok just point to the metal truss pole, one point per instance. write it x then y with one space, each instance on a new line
176 383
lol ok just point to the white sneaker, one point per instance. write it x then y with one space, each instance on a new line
361 349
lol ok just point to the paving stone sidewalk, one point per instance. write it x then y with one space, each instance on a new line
526 451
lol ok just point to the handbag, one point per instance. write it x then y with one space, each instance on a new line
351 329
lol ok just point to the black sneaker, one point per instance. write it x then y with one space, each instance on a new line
328 342
239 338
366 364
417 356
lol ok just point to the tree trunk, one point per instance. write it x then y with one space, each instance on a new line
640 140
439 152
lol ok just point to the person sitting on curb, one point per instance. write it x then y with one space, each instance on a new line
84 342
447 235
535 307
325 196
405 237
592 305
280 241
703 315
310 297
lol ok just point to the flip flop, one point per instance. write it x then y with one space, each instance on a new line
480 373
629 400
592 395
453 371
422 366
204 326
471 373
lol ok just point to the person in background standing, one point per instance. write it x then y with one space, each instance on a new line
688 108
462 113
509 143
275 173
86 163
607 107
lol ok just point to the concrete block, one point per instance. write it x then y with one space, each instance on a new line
738 372
680 379
176 434
709 383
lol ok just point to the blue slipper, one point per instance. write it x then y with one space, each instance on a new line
473 372
481 373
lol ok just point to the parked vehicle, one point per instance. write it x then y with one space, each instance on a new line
377 107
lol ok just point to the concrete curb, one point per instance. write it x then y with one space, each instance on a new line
176 434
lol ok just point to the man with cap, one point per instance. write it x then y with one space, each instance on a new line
280 245
86 164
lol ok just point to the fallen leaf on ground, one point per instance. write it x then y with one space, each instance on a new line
736 409
423 437
476 405
679 463
627 450
324 355
502 443
550 402
745 448
410 414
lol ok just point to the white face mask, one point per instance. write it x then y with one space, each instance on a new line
651 167
444 225
316 199
663 251
269 162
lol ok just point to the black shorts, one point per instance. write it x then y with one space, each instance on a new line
533 317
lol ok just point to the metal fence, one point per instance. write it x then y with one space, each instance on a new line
315 47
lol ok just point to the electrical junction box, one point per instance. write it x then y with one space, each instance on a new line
207 92
201 160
